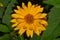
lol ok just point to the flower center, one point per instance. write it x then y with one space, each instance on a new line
29 18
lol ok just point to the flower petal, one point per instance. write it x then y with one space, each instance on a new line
21 31
19 26
29 5
14 25
40 15
17 16
44 22
36 23
37 31
29 33
38 9
24 6
32 10
17 11
13 20
42 28
18 7
20 20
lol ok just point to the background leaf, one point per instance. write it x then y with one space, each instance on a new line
7 15
5 37
5 4
21 37
4 28
57 39
56 3
54 25
35 37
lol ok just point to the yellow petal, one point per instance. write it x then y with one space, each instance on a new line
21 31
38 32
20 11
36 23
36 5
19 26
29 33
44 22
32 10
29 5
23 6
32 7
17 16
13 20
29 26
40 15
17 11
22 24
14 25
20 20
23 12
42 28
18 7
38 9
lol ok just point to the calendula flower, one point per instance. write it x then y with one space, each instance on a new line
29 19
1 4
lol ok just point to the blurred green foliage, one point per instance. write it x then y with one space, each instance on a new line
54 25
56 3
4 28
5 4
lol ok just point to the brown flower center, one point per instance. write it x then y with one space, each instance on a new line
29 18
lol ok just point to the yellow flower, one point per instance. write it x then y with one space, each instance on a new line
29 19
1 4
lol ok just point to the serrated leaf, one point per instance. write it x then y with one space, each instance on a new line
4 28
2 9
56 3
7 16
5 37
53 28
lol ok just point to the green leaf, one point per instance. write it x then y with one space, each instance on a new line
21 37
5 37
4 28
7 16
35 37
2 9
54 25
57 39
56 3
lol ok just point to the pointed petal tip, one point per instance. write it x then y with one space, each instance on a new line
29 4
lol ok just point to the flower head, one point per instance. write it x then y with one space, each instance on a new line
29 19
